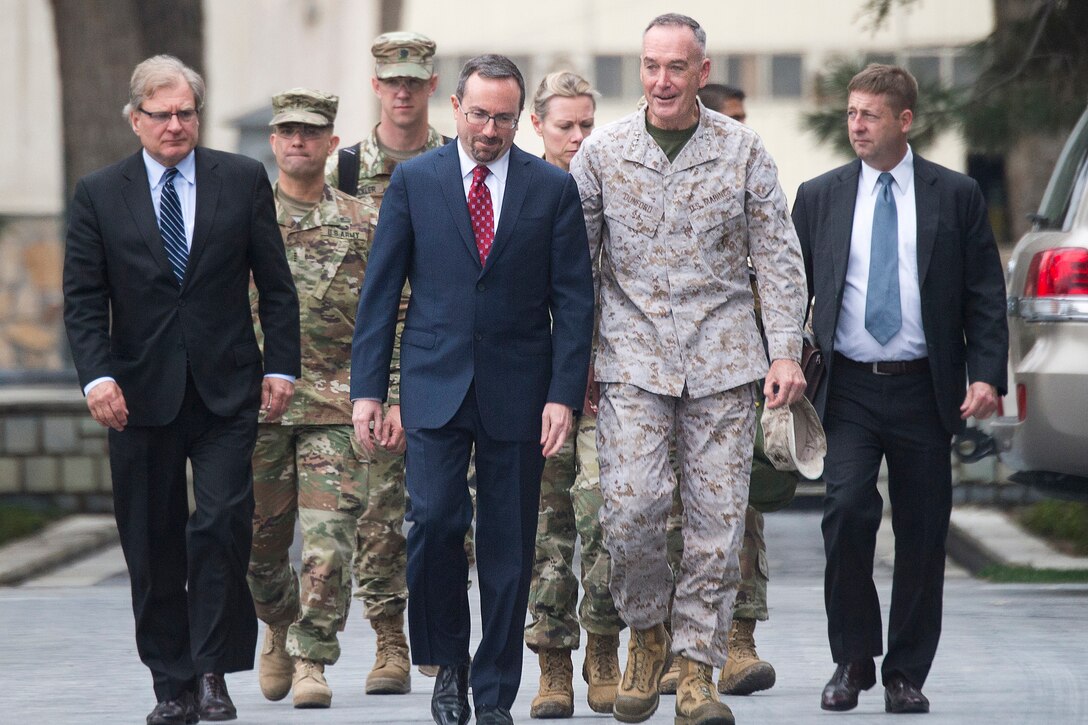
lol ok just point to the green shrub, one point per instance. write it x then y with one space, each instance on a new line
19 521
1066 521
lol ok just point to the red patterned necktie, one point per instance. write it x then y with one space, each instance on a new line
481 213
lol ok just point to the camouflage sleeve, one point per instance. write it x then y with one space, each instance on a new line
394 363
332 171
776 256
584 169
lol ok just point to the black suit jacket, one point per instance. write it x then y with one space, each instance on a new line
519 326
128 318
959 269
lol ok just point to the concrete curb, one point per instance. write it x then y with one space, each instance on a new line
61 542
969 552
981 536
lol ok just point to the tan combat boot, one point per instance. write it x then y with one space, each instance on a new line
392 673
670 679
275 666
556 696
309 685
601 670
696 701
744 672
648 656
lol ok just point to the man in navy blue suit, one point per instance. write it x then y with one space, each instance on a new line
494 355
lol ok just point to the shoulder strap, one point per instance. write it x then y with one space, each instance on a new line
347 169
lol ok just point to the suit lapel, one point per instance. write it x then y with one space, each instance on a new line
927 203
207 197
136 192
842 200
518 176
448 168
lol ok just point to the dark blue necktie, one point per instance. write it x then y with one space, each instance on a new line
882 314
172 226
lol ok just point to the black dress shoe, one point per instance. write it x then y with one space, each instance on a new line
493 716
181 711
212 699
449 703
902 696
841 691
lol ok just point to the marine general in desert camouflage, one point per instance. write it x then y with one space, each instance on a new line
676 199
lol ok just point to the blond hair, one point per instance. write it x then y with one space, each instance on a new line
561 83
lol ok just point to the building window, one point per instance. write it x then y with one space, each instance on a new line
786 80
926 68
608 70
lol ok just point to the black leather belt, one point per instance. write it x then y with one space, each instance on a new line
886 367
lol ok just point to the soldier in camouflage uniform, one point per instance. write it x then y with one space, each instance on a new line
676 199
309 464
744 672
570 493
403 81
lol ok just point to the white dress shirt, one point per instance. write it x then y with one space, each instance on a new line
851 337
495 181
184 184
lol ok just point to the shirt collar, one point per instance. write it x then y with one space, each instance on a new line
498 167
903 173
186 168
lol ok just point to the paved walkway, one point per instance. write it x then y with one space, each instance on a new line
1009 652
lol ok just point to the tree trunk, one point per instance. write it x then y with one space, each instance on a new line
99 42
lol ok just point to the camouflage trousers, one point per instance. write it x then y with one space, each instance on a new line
570 502
380 560
752 593
380 563
320 475
713 437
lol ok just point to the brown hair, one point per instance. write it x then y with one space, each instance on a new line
892 81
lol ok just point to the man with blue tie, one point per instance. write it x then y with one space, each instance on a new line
909 310
494 356
158 258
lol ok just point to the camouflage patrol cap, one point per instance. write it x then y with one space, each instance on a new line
402 54
302 105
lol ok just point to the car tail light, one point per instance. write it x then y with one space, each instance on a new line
1056 287
1059 271
1021 402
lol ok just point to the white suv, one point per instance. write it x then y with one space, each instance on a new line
1043 430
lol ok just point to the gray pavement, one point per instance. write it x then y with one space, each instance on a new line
1009 652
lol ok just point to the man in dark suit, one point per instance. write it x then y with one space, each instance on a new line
909 309
494 356
158 259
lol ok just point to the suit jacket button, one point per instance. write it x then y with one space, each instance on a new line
478 337
181 303
480 287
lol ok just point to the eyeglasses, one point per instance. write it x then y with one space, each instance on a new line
412 85
187 115
305 130
503 121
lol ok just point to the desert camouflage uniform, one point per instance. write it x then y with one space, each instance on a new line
754 572
309 463
570 502
679 353
380 559
751 600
